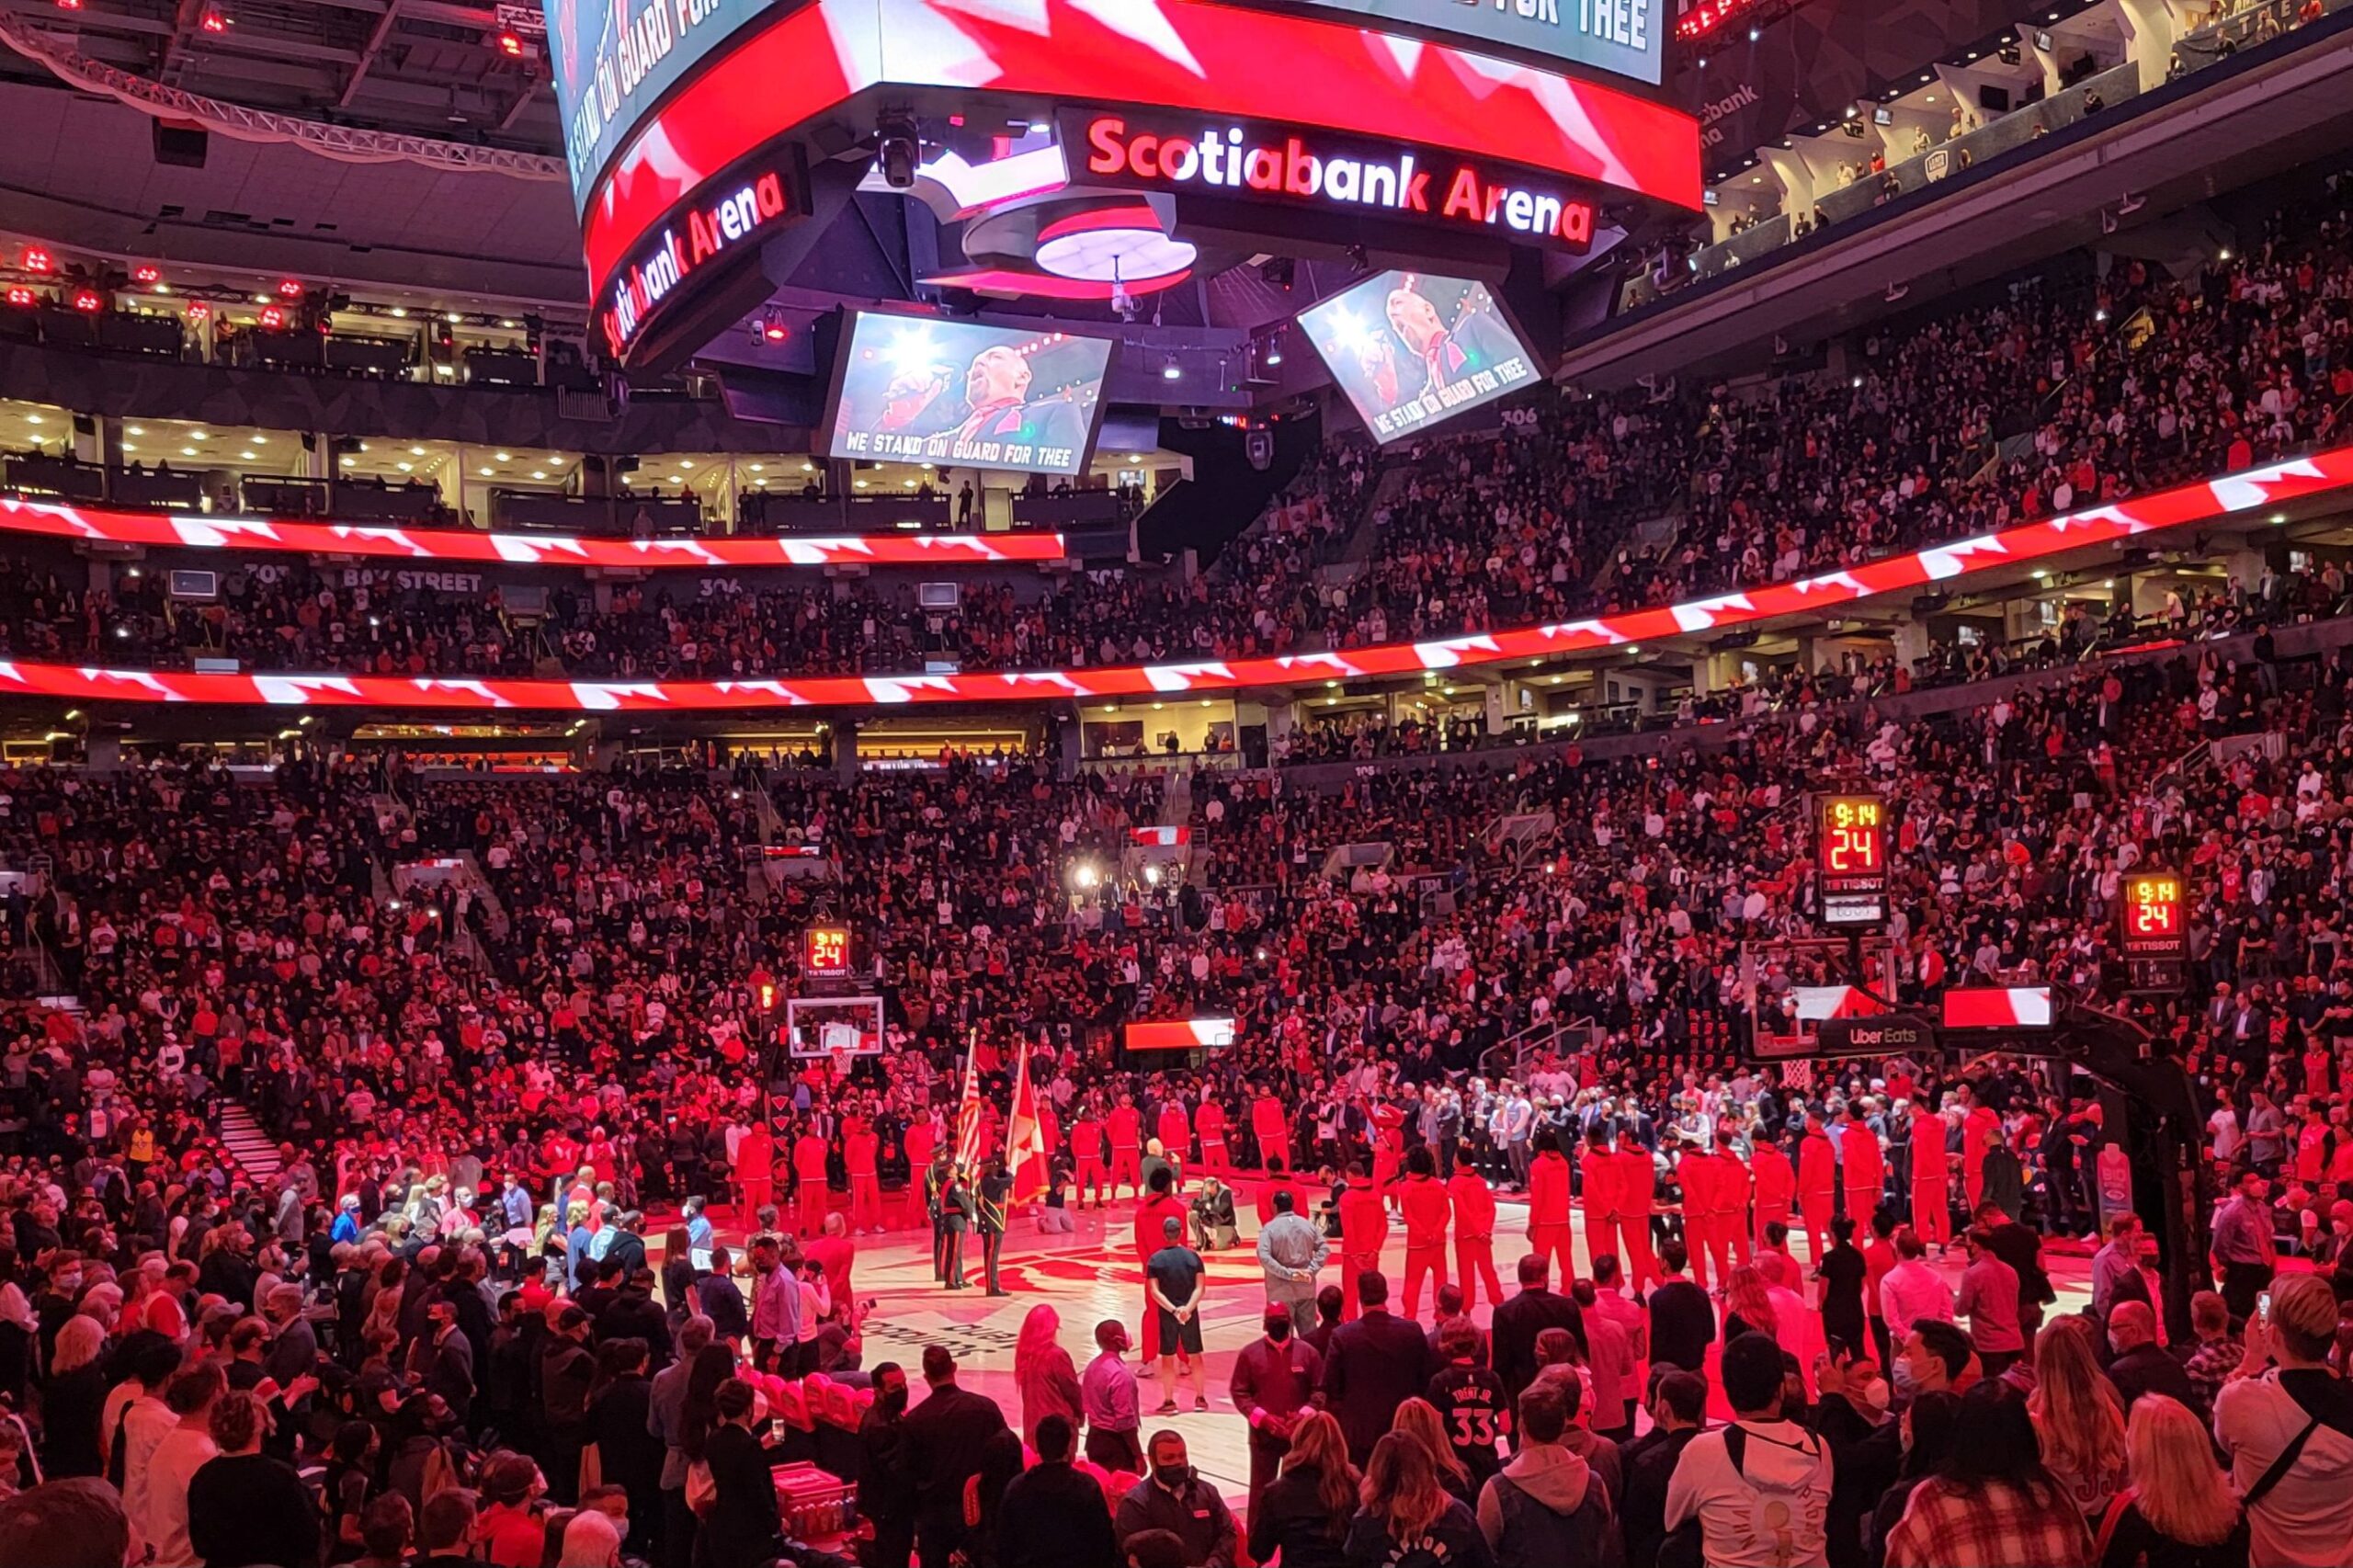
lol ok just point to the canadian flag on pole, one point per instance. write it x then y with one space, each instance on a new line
968 1127
1024 1137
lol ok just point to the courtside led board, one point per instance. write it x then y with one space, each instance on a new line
1850 856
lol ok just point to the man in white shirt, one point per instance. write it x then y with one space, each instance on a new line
2306 1516
161 1523
1765 1505
1912 1290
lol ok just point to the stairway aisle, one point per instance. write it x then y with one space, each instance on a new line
253 1148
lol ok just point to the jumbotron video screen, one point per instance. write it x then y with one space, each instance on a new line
910 388
1411 349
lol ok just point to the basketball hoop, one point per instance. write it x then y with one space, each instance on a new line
844 1058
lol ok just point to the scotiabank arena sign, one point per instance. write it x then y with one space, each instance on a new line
717 225
1320 169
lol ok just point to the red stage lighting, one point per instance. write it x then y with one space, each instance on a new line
288 289
214 19
89 301
510 44
21 295
145 272
273 317
39 260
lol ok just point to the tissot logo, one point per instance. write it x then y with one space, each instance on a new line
1409 183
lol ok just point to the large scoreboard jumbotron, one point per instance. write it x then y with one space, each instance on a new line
686 120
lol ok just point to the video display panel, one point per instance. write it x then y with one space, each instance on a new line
613 59
1623 36
964 394
1411 349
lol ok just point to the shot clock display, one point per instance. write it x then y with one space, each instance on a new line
824 951
2155 920
1851 852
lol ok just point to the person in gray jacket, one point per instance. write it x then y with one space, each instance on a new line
1548 1506
1291 1249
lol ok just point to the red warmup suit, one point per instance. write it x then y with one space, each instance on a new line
1731 1205
756 1173
809 1183
1208 1124
1777 1185
1697 1172
1548 1216
1151 1234
1474 1235
1978 1130
1424 1203
1637 1189
1087 1148
1364 1227
921 1143
1124 1127
1817 1190
1602 1199
1176 1134
1272 1129
1931 1178
860 1151
1866 1172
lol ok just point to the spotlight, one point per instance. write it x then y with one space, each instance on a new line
1170 370
509 43
214 19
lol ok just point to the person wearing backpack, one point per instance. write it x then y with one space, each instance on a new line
1547 1508
1758 1489
2286 1433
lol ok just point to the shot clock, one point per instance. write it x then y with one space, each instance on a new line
824 951
2154 924
1851 842
2153 934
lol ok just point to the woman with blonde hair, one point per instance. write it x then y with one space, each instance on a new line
1748 1305
1406 1518
1419 1419
1044 1375
1303 1514
2179 1512
2077 1415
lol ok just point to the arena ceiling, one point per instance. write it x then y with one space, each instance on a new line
80 165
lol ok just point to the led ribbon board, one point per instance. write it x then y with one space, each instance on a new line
212 530
1948 565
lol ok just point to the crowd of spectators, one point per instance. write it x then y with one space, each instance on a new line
1965 420
440 1290
475 1082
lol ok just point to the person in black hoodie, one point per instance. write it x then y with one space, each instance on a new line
886 1493
1054 1516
